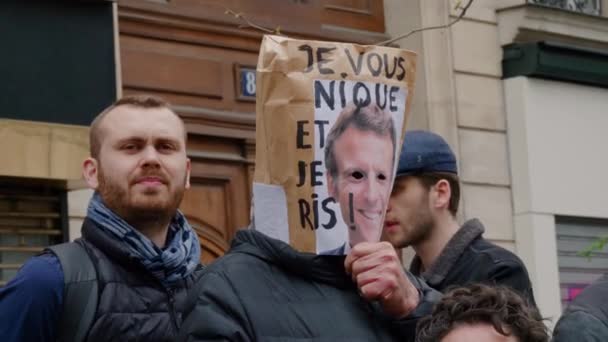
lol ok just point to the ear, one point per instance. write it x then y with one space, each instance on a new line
330 186
90 172
188 170
443 192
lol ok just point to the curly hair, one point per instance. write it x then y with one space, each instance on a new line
499 306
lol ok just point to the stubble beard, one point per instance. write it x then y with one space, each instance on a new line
421 230
138 211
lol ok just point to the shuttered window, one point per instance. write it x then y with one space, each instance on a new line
575 271
31 218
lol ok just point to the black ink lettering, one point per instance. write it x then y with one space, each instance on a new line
300 134
321 124
309 54
378 100
351 213
342 96
393 98
321 60
314 173
304 214
374 69
357 68
402 74
361 102
315 209
389 74
332 215
321 92
301 173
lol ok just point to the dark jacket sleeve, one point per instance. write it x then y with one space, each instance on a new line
218 314
31 303
513 274
405 328
580 326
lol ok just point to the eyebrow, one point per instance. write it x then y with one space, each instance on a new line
136 139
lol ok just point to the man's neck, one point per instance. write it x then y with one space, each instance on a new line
429 250
155 230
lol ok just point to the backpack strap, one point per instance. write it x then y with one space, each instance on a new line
80 291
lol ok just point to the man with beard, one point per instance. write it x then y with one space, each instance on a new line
129 276
422 213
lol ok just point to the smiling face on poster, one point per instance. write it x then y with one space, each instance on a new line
326 141
358 158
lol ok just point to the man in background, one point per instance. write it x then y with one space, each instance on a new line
422 214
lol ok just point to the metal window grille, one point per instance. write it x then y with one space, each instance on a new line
575 271
30 219
581 6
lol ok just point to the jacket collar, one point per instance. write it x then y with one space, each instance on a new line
470 230
115 251
320 268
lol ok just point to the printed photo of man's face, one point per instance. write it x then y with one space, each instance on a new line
359 158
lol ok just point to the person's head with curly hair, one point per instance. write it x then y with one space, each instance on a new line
482 313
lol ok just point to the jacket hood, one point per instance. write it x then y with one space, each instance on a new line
322 268
593 299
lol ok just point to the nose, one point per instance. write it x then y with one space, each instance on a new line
373 193
150 158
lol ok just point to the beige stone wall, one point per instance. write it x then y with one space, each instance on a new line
484 162
48 151
42 150
400 17
78 201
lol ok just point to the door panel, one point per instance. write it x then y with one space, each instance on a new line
217 204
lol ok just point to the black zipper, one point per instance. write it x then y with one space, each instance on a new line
172 309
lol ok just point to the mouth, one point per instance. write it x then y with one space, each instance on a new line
371 215
150 181
389 224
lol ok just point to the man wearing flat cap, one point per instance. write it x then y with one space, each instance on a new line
422 213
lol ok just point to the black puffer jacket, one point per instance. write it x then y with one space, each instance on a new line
586 319
133 305
264 290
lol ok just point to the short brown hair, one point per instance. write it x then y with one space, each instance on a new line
139 101
429 179
366 119
499 306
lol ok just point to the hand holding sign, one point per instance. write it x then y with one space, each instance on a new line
376 269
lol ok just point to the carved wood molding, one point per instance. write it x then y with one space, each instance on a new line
213 28
136 22
238 118
207 129
212 122
219 156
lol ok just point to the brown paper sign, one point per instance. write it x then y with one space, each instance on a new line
330 121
